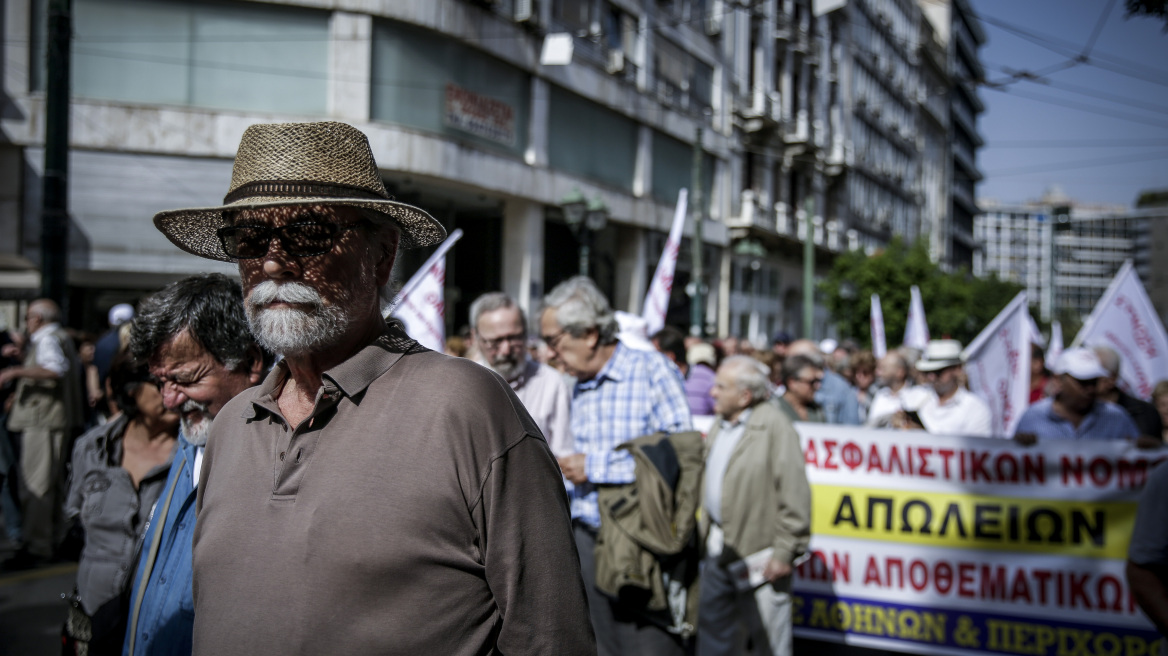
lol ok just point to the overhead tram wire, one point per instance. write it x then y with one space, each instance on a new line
1078 164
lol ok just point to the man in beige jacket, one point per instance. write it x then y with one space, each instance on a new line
755 497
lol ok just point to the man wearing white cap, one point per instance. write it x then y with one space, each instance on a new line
108 344
951 409
1075 412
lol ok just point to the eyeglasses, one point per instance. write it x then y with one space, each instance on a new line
814 382
1090 382
513 340
552 340
248 242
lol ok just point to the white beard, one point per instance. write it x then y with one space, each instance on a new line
507 369
291 331
196 433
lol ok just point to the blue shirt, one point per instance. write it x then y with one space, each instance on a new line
1106 421
636 393
166 617
838 400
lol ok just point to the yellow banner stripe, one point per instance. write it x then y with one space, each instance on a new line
939 519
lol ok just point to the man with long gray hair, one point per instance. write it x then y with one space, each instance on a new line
621 393
499 329
193 335
755 498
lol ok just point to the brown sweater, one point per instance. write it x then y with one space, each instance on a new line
417 511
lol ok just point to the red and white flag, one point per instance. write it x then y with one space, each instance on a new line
1056 344
879 345
657 300
916 331
421 305
997 364
1125 320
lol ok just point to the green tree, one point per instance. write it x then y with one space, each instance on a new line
957 304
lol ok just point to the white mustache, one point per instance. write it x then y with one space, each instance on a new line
290 292
192 404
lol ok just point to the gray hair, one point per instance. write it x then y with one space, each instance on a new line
750 375
1108 358
492 301
46 309
579 307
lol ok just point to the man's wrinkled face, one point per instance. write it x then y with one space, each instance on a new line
805 384
299 304
195 384
729 398
1078 395
574 353
502 339
945 381
889 371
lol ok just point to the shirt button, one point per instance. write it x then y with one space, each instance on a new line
282 456
162 580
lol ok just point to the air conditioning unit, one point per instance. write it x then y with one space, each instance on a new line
714 18
525 11
616 61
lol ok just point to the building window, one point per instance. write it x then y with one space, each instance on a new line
673 170
203 53
424 80
589 140
575 15
682 80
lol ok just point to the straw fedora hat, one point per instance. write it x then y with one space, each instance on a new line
282 164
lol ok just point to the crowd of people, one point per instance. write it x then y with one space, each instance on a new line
271 466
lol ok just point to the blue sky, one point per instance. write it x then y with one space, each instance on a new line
1098 129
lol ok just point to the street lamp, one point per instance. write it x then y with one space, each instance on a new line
584 217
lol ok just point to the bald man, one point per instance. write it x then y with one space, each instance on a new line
46 409
836 397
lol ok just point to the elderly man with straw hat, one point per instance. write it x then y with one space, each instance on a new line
370 495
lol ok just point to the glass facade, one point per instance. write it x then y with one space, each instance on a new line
223 55
591 141
426 81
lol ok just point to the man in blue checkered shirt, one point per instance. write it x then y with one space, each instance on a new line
621 393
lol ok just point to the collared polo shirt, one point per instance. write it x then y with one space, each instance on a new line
1106 421
417 510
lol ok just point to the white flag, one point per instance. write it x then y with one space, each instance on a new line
879 346
1056 344
916 332
1035 333
1125 321
997 364
420 304
657 300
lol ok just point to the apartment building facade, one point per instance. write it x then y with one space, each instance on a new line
809 114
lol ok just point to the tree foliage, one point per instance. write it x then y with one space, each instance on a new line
957 305
1147 9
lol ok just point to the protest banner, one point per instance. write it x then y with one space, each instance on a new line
997 363
421 305
946 545
916 331
657 298
1125 320
879 345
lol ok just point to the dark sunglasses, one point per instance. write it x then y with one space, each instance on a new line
304 239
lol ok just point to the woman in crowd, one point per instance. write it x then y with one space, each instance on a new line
119 471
